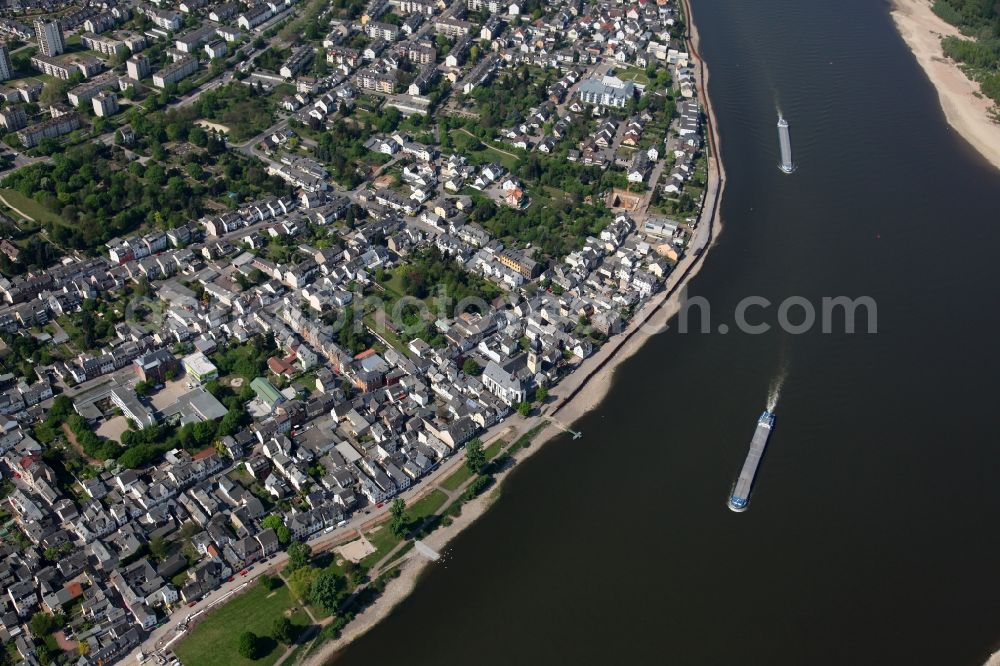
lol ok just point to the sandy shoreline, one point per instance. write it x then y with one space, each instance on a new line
576 395
965 108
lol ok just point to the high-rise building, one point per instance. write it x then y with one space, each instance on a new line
49 36
13 118
137 67
6 70
105 104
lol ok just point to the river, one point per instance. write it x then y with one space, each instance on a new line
872 534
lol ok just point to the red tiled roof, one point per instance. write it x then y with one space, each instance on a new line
204 453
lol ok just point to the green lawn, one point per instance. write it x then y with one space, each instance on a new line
29 206
400 554
214 641
488 154
394 289
633 74
456 479
384 541
493 450
394 285
505 157
426 506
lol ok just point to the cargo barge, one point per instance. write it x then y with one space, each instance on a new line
744 484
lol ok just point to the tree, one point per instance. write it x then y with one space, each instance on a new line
54 92
300 582
484 210
444 137
470 367
250 646
284 631
230 423
43 624
270 582
299 555
541 393
326 590
475 457
524 409
280 529
158 547
44 653
398 511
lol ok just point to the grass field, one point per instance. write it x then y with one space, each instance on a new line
633 74
214 641
506 158
28 206
456 479
394 285
384 541
493 450
426 506
488 154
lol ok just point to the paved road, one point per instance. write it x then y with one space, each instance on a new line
654 177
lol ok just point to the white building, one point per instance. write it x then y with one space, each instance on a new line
105 104
609 91
49 36
138 67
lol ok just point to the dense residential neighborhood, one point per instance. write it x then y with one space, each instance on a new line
266 266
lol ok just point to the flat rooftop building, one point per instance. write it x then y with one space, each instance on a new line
609 91
193 407
266 392
127 401
198 366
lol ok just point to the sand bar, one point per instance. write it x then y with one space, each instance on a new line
967 110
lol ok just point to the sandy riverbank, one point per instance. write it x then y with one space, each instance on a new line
967 111
576 395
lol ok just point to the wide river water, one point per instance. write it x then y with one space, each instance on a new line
872 535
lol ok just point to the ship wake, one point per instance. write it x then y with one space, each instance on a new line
774 393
